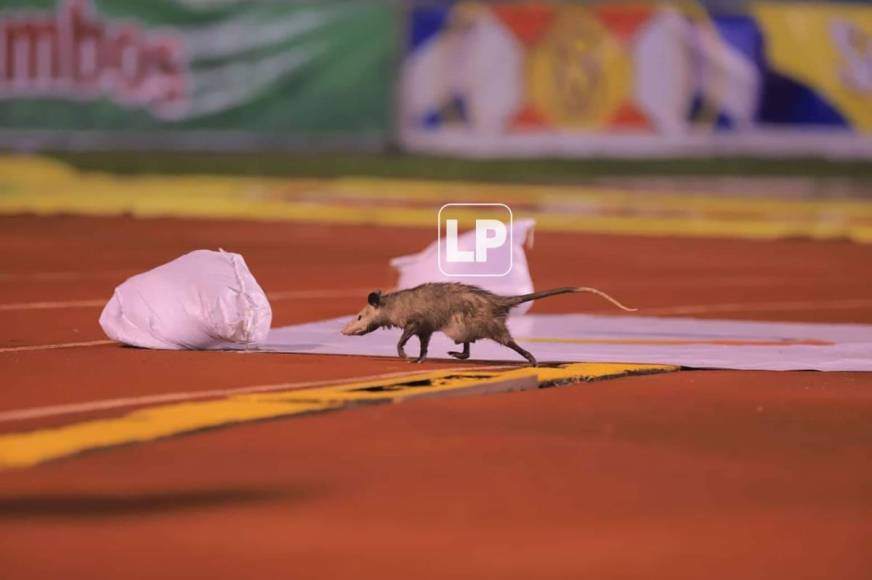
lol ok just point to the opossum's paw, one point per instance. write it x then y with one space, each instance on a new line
459 355
402 354
416 360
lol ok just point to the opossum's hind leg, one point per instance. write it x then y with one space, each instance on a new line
407 334
424 337
461 355
501 334
514 346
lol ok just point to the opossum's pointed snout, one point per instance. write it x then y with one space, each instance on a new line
363 323
356 328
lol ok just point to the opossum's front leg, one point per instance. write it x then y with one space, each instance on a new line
407 334
424 337
461 355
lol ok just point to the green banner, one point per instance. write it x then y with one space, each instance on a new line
275 69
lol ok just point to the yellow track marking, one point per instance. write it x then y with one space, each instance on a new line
585 372
31 448
177 397
25 449
46 187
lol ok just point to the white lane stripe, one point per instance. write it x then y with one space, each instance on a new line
664 311
106 404
52 305
304 294
277 296
59 275
56 346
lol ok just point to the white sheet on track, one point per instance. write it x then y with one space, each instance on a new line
696 343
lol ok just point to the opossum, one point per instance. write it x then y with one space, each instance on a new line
463 312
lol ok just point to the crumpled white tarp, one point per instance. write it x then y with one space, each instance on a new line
202 300
416 269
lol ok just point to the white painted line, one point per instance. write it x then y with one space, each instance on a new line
52 305
56 346
362 292
90 406
315 294
664 311
274 296
60 275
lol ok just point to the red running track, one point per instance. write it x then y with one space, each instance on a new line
685 475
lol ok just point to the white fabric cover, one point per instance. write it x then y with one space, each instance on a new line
204 299
423 267
689 342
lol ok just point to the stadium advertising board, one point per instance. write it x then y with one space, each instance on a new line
637 79
208 72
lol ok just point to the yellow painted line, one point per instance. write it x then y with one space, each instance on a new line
585 372
176 397
426 384
26 449
42 186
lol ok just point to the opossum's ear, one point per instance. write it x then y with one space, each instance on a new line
375 298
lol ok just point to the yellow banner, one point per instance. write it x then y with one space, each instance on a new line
826 46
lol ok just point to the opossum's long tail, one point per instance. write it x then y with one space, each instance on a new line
515 300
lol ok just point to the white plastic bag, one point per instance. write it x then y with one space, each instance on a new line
423 267
199 301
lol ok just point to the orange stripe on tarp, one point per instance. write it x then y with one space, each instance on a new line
685 342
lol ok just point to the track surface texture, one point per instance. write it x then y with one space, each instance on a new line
683 475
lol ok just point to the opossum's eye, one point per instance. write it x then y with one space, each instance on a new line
359 316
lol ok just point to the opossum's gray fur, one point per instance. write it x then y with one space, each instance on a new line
463 312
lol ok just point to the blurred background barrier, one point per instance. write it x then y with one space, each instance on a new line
628 79
638 79
200 74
